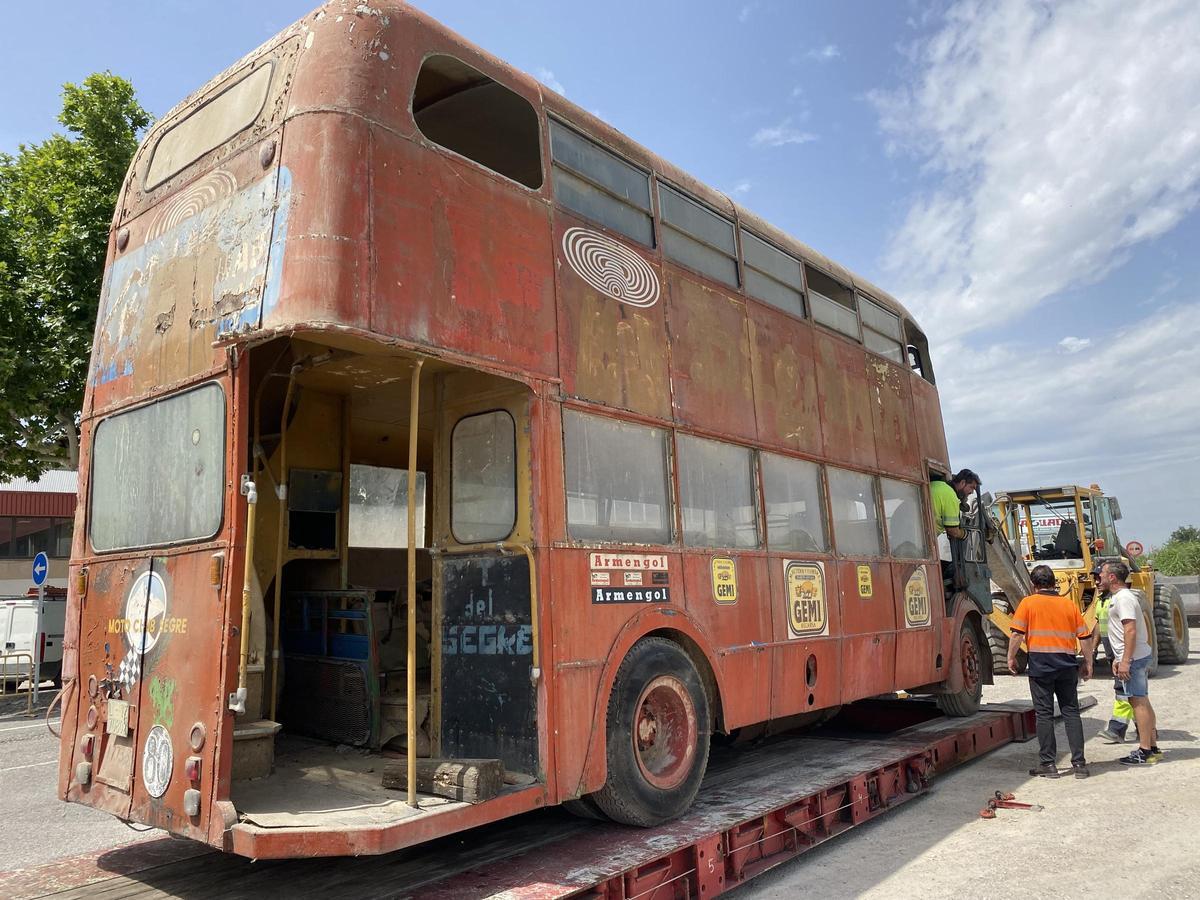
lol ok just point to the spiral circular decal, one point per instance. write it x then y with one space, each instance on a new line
610 267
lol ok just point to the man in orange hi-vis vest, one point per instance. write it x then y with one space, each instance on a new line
1051 627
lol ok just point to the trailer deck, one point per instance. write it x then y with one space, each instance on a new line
758 807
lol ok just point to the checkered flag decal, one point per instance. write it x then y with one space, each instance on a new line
130 669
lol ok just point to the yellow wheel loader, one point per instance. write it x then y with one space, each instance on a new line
1072 529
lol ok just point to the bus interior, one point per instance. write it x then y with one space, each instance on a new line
329 436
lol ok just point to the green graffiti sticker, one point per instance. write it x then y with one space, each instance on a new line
162 691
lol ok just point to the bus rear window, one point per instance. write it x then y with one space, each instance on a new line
158 472
210 126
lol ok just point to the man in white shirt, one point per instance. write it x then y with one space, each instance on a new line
1131 653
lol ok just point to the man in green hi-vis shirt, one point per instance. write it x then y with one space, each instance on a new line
947 500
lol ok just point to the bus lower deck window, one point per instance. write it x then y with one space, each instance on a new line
483 478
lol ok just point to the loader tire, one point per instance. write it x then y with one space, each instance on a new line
998 640
1170 623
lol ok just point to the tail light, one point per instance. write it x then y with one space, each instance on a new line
87 745
191 769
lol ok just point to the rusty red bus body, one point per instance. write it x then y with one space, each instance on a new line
330 233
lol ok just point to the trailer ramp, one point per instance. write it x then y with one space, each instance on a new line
757 808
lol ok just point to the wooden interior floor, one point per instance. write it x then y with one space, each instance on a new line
317 784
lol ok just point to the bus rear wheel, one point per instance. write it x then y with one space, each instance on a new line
967 699
657 735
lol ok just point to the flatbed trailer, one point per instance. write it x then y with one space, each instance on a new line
758 807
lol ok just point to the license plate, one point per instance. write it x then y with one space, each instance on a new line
118 718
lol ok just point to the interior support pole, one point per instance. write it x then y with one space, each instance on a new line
411 496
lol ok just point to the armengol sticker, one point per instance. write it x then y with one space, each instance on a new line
654 562
865 586
807 609
724 579
916 600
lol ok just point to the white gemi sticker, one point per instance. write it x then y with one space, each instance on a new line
610 267
157 760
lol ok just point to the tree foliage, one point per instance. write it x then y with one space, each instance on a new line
56 206
1180 555
1184 534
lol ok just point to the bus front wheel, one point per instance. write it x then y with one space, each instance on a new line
657 735
966 700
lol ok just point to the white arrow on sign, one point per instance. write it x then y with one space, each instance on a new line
39 568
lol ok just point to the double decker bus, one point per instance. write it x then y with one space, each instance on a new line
434 426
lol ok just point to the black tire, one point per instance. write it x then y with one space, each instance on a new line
657 736
585 808
998 640
1170 623
970 656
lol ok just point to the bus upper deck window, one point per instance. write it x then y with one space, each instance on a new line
209 126
833 304
772 275
881 330
918 352
595 183
483 478
463 110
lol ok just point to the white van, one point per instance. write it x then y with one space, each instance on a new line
18 627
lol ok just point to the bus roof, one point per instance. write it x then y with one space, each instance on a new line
391 14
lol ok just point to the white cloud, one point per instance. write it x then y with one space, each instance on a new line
780 135
742 187
546 77
1062 135
1123 416
1073 344
746 11
825 53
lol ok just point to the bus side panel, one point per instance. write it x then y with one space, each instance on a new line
462 258
785 380
869 629
611 352
928 414
710 358
847 421
919 629
896 445
791 686
326 260
733 628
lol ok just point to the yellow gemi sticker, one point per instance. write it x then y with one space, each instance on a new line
916 600
724 579
866 587
807 612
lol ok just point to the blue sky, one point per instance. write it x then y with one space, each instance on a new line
1023 175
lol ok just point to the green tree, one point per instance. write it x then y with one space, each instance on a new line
1177 558
56 206
1184 534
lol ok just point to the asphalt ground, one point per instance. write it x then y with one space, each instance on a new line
1121 833
36 826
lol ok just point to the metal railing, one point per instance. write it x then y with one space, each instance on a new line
4 677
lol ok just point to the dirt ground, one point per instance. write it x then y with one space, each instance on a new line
1121 833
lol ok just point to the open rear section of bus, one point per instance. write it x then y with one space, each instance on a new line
331 426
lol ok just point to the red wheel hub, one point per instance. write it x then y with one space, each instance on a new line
664 732
970 663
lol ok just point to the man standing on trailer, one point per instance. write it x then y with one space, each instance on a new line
1131 654
1050 624
948 500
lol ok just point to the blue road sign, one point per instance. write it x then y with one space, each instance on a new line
41 568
